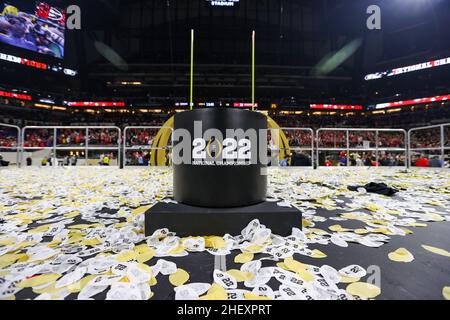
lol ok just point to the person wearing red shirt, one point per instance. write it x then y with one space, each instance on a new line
422 162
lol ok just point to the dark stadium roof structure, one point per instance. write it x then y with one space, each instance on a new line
293 38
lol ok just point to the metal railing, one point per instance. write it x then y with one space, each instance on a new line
300 147
442 147
18 143
153 146
348 148
84 144
343 142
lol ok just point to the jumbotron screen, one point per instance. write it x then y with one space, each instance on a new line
35 26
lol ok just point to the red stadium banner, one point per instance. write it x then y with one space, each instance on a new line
13 95
412 102
95 104
244 105
335 107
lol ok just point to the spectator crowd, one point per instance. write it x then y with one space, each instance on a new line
140 141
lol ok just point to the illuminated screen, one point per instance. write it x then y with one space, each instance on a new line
35 26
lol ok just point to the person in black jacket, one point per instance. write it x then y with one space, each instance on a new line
300 160
2 162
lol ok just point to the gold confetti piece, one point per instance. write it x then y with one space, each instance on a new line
361 231
363 290
240 276
38 280
7 241
75 239
9 259
254 249
126 256
179 278
373 207
244 257
54 243
91 242
436 217
152 282
306 223
9 298
394 212
379 222
40 229
215 242
434 203
305 275
446 293
317 254
418 225
407 231
294 265
72 214
85 226
282 265
177 250
383 231
345 279
338 228
140 211
401 255
144 257
216 292
120 225
438 251
142 248
251 296
78 286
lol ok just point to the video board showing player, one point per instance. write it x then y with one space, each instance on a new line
35 26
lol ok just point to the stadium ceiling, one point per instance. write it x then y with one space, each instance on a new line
148 41
293 37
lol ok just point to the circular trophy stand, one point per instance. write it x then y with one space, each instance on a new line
217 158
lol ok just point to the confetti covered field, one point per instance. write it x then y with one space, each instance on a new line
77 233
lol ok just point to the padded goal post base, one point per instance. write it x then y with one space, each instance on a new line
196 221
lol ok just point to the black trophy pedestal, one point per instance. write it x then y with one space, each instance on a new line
196 221
213 185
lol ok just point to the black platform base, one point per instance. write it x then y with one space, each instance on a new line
195 221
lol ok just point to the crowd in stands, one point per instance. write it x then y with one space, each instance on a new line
140 137
8 138
143 138
361 139
43 138
430 138
368 159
